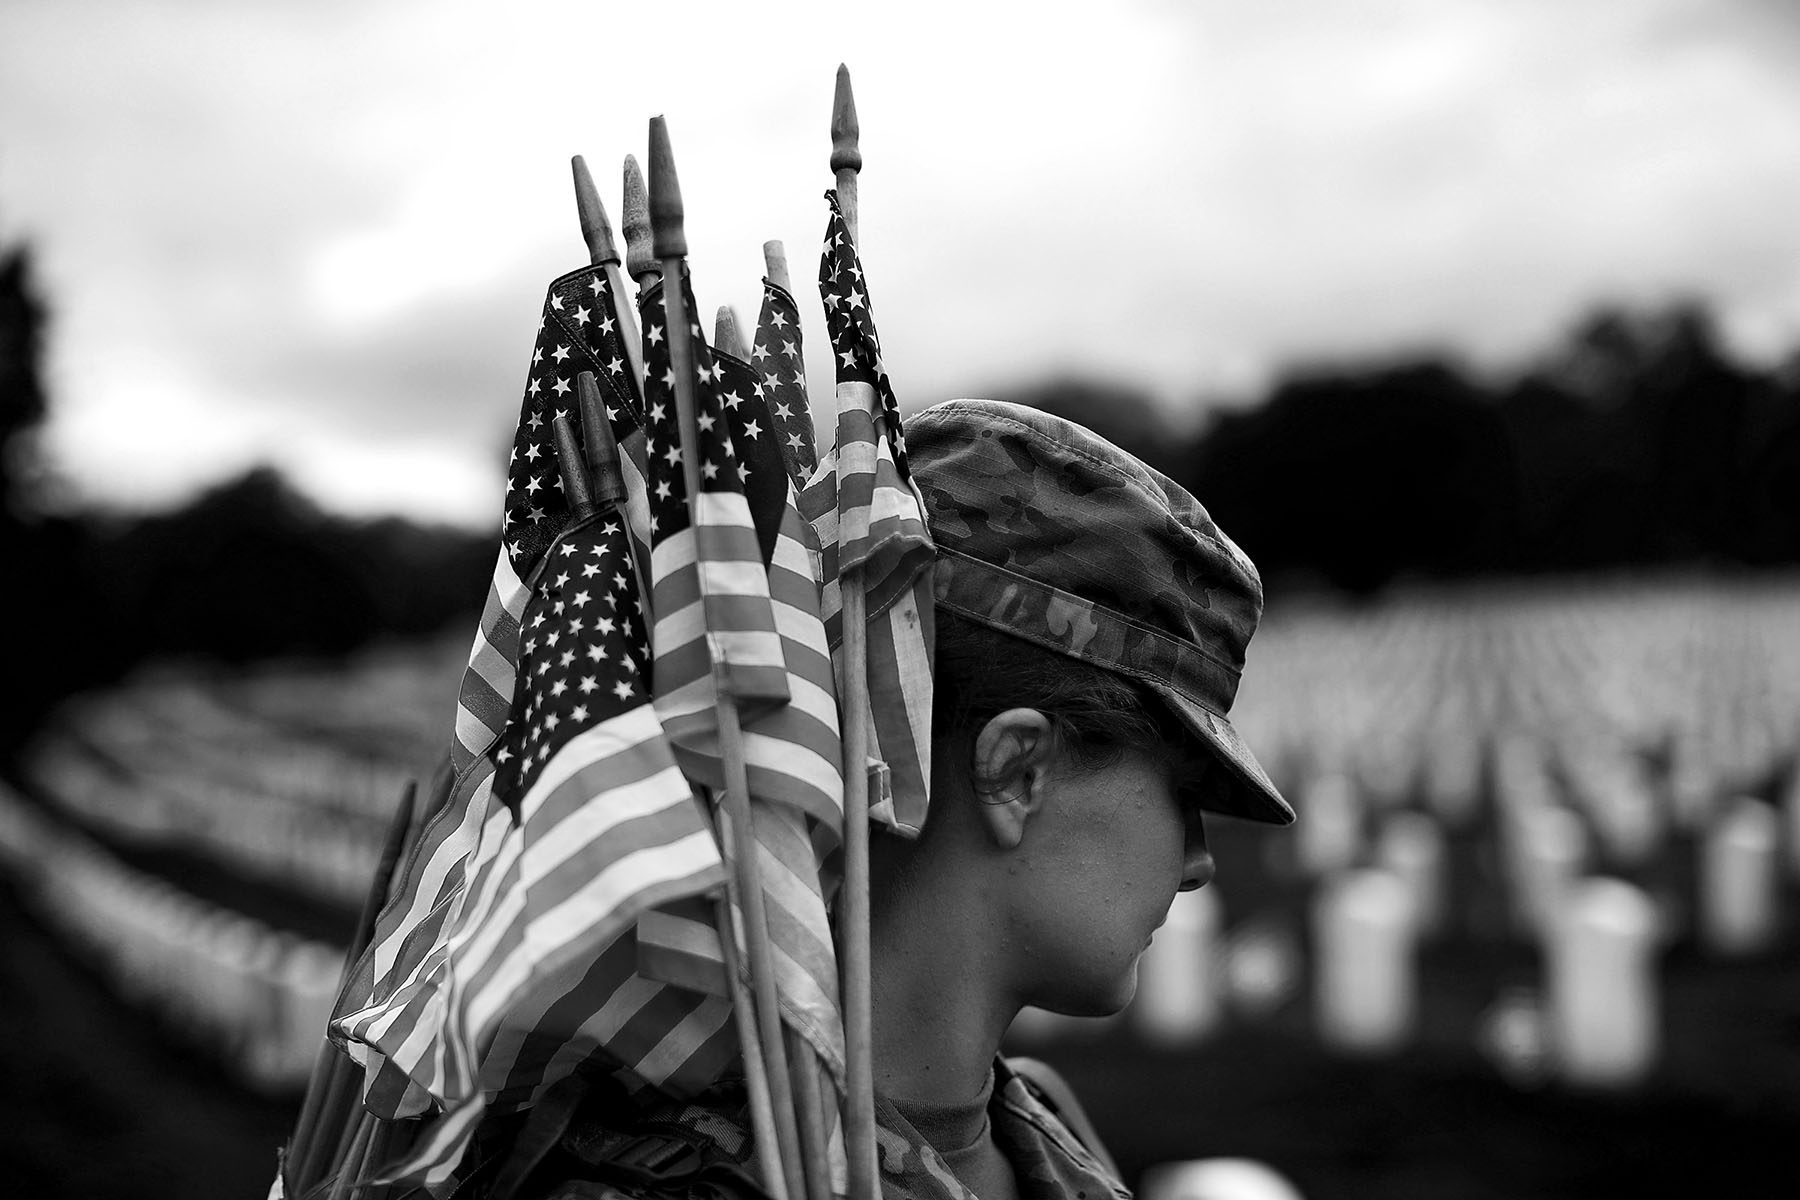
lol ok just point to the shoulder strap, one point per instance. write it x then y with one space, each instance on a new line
1059 1098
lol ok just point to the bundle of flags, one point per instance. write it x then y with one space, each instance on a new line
570 908
732 616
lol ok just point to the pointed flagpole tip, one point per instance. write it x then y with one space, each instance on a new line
667 216
725 332
845 153
640 255
775 265
602 447
569 465
596 230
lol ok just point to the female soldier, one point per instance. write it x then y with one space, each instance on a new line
1091 626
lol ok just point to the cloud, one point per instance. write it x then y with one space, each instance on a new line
274 230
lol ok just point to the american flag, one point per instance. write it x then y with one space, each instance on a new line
712 602
460 843
791 748
778 358
680 942
577 331
607 827
868 516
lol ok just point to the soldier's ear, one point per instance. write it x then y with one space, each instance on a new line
1009 761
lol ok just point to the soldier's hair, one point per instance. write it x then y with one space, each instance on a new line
979 673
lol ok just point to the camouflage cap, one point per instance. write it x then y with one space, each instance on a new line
1048 532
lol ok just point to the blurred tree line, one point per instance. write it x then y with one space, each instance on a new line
249 569
1638 442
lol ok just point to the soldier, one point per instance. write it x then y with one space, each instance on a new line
1091 627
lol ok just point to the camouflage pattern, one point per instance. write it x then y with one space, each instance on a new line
1048 1161
1050 533
704 1151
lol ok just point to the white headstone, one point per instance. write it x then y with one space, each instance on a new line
1601 987
1452 777
1215 1179
1179 992
1330 838
1629 818
1551 853
1262 965
1511 1032
1388 764
1740 880
1363 973
1411 845
1692 783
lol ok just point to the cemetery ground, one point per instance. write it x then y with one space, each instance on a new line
101 1103
256 798
98 1102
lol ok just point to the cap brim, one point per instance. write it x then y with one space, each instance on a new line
1256 799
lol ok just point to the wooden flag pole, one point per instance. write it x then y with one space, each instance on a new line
670 245
735 801
775 265
725 333
331 1091
597 232
355 1157
853 925
606 483
640 245
569 464
756 1071
804 1061
814 1136
846 151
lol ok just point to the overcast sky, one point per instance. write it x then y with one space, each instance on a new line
318 233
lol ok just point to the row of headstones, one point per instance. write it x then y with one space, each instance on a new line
253 997
326 854
1600 938
1377 695
1745 845
1634 792
400 692
243 755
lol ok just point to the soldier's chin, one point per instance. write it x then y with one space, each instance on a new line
1103 999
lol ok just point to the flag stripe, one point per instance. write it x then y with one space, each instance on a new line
900 651
487 684
679 944
433 1159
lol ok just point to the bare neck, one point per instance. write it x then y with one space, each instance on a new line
942 994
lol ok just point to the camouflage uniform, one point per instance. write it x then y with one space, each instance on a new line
1049 1162
704 1151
